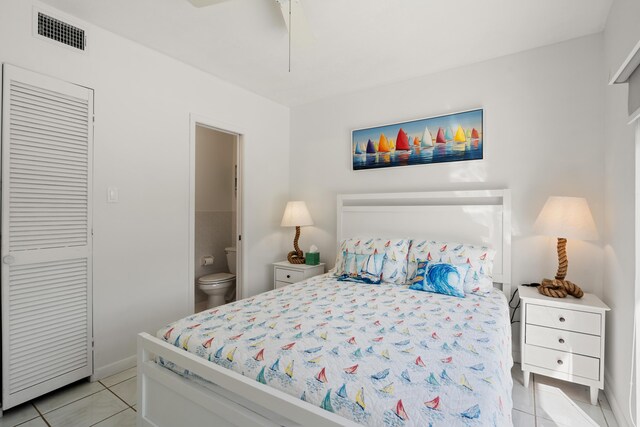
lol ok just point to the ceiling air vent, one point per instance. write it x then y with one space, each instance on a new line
60 31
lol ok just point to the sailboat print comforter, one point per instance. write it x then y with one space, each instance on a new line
380 355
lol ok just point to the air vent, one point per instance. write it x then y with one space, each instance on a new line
60 31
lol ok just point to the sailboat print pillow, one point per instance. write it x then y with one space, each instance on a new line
362 268
479 278
440 277
394 268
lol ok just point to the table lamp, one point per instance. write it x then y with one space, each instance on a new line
296 215
566 218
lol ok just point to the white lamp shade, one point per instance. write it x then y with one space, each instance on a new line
567 217
296 214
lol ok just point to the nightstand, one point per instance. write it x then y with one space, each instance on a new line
563 338
285 273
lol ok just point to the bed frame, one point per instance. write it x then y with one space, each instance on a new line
168 399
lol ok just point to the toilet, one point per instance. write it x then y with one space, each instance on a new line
218 285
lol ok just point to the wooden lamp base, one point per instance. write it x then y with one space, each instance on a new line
296 256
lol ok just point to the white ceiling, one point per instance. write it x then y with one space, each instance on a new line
358 43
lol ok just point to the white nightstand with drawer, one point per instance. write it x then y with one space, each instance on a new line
285 273
563 338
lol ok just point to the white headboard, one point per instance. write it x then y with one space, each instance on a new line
477 217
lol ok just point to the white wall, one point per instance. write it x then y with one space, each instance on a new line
544 136
142 104
622 32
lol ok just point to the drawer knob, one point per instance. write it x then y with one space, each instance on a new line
560 362
288 276
562 319
561 340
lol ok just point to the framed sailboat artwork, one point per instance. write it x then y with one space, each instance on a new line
454 137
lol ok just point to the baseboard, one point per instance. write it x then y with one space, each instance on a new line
618 411
113 368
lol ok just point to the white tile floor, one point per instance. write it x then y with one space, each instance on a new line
112 402
549 402
107 403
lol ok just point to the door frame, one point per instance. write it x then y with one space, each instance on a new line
211 123
636 305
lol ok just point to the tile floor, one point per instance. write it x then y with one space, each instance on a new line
107 403
112 402
549 402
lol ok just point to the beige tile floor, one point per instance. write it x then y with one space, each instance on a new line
112 402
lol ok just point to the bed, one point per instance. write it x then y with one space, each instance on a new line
325 352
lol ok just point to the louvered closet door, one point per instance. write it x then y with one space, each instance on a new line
47 131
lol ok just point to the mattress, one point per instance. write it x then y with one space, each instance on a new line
380 355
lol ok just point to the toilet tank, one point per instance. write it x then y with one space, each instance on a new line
231 259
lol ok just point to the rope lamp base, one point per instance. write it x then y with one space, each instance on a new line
563 261
296 256
559 288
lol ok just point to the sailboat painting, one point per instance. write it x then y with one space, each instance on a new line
448 138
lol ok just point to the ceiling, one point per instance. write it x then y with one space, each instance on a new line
358 43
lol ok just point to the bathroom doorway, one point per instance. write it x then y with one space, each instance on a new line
215 221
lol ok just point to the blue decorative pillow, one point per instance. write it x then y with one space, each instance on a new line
479 279
441 278
362 268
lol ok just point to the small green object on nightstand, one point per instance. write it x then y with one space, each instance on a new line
312 258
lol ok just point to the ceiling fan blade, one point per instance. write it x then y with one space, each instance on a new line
204 3
301 34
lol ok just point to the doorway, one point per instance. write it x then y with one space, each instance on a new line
215 217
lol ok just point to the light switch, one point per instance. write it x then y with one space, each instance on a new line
112 195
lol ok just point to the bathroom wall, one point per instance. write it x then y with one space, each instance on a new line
215 201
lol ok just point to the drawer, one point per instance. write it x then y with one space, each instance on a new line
281 284
560 318
558 339
561 361
289 276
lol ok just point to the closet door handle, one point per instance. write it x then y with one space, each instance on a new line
8 260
